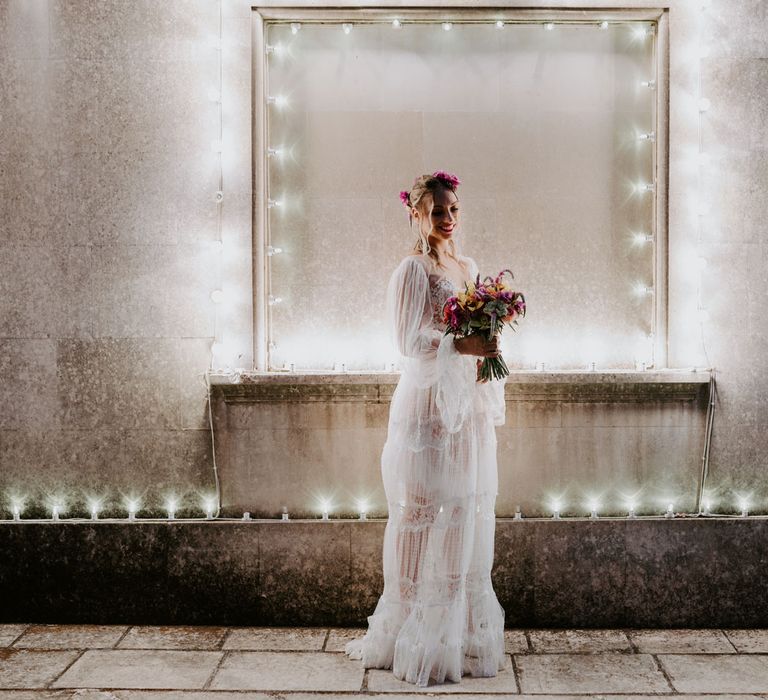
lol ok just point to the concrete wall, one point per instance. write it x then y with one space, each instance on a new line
574 438
108 226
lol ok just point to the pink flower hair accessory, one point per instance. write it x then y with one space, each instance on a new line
405 198
449 178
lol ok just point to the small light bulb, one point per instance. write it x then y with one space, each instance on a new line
593 510
271 203
604 24
246 515
396 23
447 26
540 366
170 506
744 507
549 26
347 28
16 507
133 506
556 510
650 84
325 507
518 513
363 509
499 24
295 26
631 507
273 250
704 104
274 152
277 49
650 136
218 197
707 507
217 296
209 505
94 510
55 512
285 513
272 300
670 511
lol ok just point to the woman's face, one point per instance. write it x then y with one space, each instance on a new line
445 215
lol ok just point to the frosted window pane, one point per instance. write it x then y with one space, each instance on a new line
541 126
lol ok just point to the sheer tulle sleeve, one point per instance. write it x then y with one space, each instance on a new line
429 358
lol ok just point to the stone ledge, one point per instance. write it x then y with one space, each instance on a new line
377 387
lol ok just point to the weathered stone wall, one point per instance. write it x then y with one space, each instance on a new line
107 218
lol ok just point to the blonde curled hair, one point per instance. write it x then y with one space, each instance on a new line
415 199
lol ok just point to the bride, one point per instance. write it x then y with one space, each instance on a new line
438 617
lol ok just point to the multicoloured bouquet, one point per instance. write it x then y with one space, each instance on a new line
484 307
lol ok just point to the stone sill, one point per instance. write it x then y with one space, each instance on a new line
521 385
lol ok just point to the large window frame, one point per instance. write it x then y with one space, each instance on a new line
264 14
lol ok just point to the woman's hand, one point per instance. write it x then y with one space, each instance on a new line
478 344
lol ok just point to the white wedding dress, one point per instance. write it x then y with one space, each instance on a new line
438 617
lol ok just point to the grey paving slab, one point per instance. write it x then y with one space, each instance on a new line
276 638
70 637
292 670
503 682
122 694
160 637
8 633
710 673
36 695
339 636
590 673
576 640
749 641
140 668
515 642
681 641
31 668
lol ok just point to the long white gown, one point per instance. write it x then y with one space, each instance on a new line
438 617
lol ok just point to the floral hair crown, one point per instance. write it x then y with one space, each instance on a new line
449 180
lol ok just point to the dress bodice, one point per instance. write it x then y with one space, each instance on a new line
440 290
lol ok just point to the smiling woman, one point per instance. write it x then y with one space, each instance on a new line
438 616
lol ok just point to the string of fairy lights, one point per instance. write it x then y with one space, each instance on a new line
209 505
275 103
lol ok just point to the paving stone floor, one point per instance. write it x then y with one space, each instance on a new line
100 662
